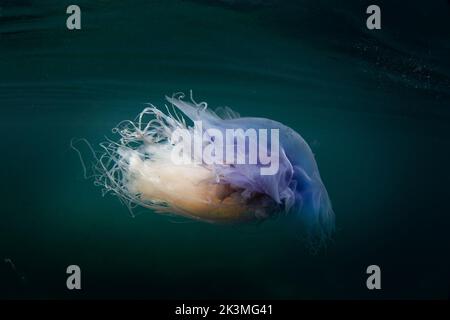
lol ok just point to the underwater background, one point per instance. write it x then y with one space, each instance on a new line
373 105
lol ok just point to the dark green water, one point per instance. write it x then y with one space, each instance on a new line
374 105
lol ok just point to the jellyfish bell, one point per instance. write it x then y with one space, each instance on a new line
139 168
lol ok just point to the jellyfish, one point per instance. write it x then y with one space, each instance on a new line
140 168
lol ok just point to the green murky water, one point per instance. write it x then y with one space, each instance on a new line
374 106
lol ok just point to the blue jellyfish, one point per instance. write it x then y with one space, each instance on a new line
159 161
